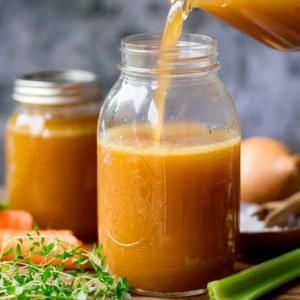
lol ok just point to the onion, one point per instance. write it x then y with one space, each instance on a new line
269 171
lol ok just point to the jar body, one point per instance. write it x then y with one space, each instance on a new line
168 208
51 166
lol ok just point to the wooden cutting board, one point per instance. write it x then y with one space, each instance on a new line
290 291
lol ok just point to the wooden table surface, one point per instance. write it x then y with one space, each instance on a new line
290 291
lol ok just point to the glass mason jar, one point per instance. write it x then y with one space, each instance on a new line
50 147
169 168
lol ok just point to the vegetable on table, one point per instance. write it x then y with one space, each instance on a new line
51 264
42 246
36 266
257 281
16 225
269 171
15 219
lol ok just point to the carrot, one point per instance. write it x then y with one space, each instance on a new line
11 238
15 219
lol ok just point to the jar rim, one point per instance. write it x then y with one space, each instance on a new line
193 54
150 42
62 87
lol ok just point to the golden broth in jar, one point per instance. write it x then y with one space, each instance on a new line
51 159
168 214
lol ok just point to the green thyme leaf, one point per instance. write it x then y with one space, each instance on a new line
8 252
23 279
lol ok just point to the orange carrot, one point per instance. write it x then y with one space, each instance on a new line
15 219
9 239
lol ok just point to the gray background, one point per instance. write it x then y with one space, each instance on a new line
37 35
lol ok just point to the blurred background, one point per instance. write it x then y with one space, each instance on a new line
38 35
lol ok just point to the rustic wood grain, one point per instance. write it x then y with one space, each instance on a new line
290 291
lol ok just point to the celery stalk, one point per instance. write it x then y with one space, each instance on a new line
257 281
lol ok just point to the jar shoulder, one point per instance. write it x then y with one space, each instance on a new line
188 100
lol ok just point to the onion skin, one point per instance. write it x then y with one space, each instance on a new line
269 171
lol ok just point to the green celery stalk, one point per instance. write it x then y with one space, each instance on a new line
257 281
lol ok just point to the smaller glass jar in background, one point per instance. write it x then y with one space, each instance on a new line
50 149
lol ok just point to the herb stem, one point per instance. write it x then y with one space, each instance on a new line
21 278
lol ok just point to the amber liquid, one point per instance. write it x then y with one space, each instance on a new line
168 214
51 171
273 22
170 38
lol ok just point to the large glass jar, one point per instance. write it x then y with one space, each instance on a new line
50 148
169 168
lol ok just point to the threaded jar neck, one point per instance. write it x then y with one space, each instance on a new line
194 54
67 87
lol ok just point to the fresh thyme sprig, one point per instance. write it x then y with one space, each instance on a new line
21 278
